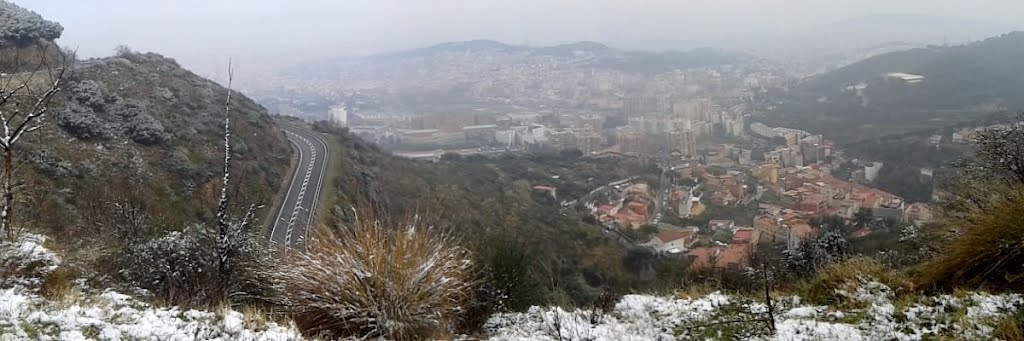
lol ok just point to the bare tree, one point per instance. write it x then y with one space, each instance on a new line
24 101
230 235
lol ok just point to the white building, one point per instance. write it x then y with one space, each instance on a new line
339 115
871 171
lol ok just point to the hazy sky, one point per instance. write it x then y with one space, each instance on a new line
203 33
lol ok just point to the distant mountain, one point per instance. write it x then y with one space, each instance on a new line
580 54
846 41
959 83
910 27
958 76
470 46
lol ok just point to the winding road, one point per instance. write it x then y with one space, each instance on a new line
293 223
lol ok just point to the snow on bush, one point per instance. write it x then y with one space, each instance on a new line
638 317
21 27
82 122
89 93
144 129
372 280
113 316
25 263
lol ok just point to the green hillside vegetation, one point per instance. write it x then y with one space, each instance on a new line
132 147
490 203
962 83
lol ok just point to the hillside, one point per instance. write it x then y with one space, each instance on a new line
135 142
478 71
960 83
587 53
490 203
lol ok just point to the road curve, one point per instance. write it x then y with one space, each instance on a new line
292 223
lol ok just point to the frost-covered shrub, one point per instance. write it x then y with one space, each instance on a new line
815 253
83 123
181 267
238 147
25 263
372 280
175 266
126 109
21 27
46 163
145 129
89 93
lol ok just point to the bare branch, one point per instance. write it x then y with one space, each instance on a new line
16 122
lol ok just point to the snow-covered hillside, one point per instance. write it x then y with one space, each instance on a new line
108 315
874 314
113 316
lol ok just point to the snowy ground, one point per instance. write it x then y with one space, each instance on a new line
25 315
878 316
113 316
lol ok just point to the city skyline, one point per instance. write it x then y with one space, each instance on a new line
259 33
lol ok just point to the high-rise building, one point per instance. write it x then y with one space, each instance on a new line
339 115
639 105
563 139
685 141
631 142
697 109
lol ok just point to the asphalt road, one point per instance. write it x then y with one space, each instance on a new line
293 222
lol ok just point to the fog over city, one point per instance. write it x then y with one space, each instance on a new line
202 34
505 170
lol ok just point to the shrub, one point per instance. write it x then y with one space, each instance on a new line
88 93
988 251
25 263
21 27
45 162
815 253
177 266
126 109
145 129
835 283
372 280
82 122
509 283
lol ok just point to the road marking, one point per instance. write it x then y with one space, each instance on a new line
300 197
288 191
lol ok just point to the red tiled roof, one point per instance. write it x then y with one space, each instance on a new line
742 236
669 236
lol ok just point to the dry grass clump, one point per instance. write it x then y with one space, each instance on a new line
834 284
988 250
403 282
1010 328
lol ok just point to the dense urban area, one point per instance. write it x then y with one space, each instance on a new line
858 187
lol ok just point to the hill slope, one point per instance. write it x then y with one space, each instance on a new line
960 83
491 203
139 130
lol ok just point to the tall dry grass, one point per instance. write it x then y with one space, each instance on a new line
404 281
987 251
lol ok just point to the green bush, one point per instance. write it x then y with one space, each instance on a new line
833 284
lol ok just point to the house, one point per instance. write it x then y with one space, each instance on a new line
730 257
721 224
678 241
547 189
745 235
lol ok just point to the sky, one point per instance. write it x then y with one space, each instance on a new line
203 34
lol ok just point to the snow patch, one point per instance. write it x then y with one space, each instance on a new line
718 316
114 316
